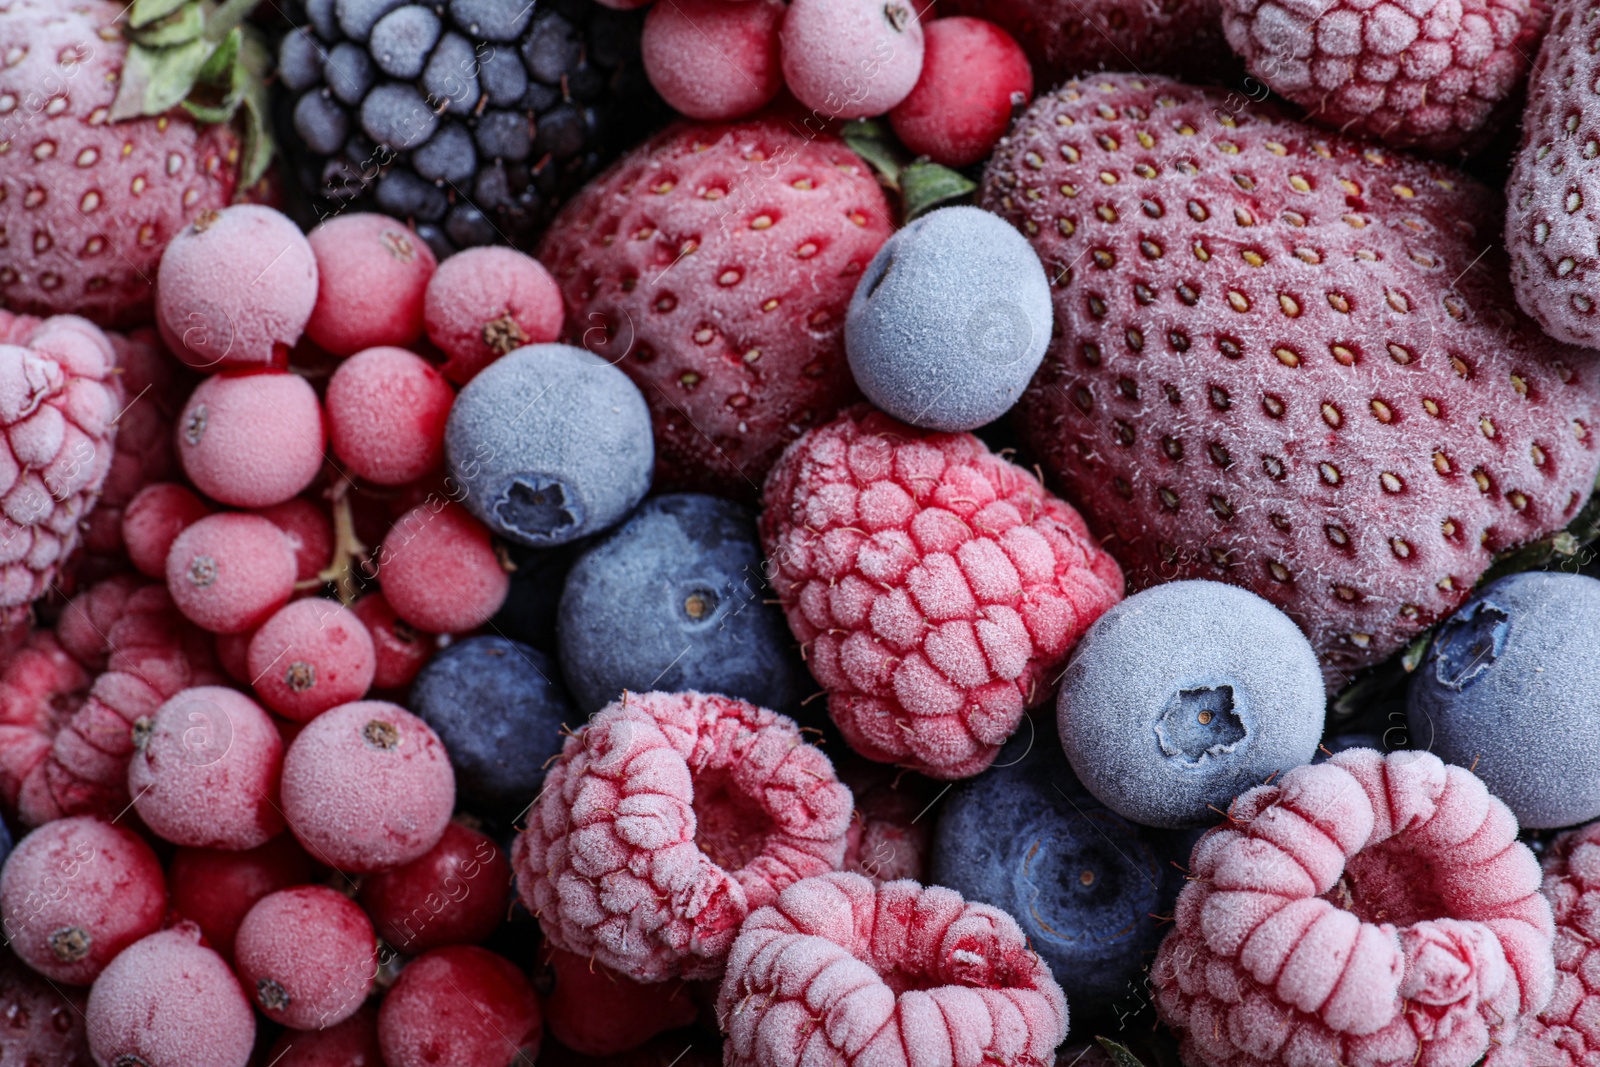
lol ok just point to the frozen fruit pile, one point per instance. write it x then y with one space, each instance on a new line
612 533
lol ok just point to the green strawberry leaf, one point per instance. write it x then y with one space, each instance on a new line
218 69
155 80
872 140
924 186
1119 1053
1411 658
257 134
185 24
144 12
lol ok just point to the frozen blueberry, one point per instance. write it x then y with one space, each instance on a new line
550 443
321 122
499 707
949 321
404 195
451 76
1085 884
448 157
300 59
674 599
492 20
1510 688
1185 695
348 72
504 135
531 606
357 17
551 48
398 116
402 39
6 841
501 76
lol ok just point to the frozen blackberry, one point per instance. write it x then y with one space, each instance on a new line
471 119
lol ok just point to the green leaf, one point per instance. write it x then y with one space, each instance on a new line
218 69
185 24
1119 1053
230 16
144 12
1411 658
257 134
155 81
924 186
873 141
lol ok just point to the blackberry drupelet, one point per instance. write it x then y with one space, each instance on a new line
472 119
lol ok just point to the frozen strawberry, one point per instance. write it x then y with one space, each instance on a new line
739 345
1284 359
1378 909
42 1023
372 271
1434 76
594 1011
895 969
698 808
1552 198
217 888
485 302
153 519
935 587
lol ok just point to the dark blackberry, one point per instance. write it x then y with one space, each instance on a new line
472 119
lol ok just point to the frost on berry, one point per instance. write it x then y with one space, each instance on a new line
1371 910
933 586
667 820
904 975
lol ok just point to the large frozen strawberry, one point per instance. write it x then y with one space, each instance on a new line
100 165
934 587
714 265
1424 74
1286 359
1553 197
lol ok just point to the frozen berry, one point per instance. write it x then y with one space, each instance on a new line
153 519
890 835
310 532
700 808
386 414
461 1005
233 655
206 774
372 272
41 1024
714 59
674 599
484 302
353 1043
454 894
76 892
311 655
594 1011
439 571
307 956
168 1000
251 439
851 59
236 288
974 75
500 709
399 650
229 573
367 786
216 888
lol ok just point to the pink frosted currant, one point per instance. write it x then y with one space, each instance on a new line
353 1043
252 439
667 819
216 888
440 571
904 976
386 414
153 519
228 573
485 302
461 1005
307 956
372 272
456 893
309 529
310 656
401 651
1373 911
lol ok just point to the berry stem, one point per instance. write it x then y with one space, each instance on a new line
347 547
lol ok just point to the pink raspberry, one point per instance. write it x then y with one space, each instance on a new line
353 1043
400 650
367 786
252 439
1371 910
40 688
440 571
372 272
153 520
307 956
891 830
170 1000
974 77
900 975
310 656
456 893
42 1023
230 572
310 532
667 820
484 302
75 893
216 888
206 773
714 59
461 1005
386 413
594 1011
934 587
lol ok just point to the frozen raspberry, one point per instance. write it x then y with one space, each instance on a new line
740 345
891 829
372 272
229 573
217 888
367 786
714 59
594 1011
386 414
484 302
206 774
41 1024
902 974
454 894
307 956
84 627
696 810
310 656
169 1000
439 570
40 687
76 892
974 74
460 1005
310 533
353 1043
58 397
851 59
251 439
1370 910
935 587
400 651
153 520
235 289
